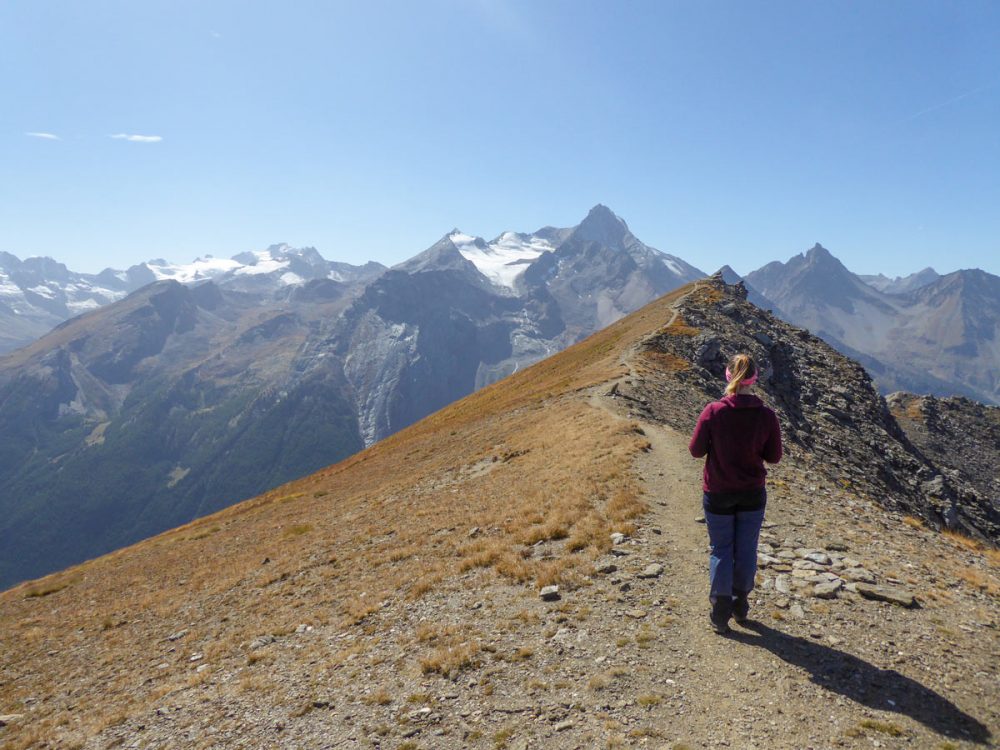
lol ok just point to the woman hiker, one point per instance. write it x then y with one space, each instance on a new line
737 434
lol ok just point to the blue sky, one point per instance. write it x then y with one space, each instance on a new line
723 132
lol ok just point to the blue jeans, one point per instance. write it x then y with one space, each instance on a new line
733 563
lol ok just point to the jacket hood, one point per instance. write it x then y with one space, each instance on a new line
743 401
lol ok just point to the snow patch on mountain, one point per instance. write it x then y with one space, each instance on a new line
198 270
503 259
267 261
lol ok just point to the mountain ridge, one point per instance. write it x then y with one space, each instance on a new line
222 388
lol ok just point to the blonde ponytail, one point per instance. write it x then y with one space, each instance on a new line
741 367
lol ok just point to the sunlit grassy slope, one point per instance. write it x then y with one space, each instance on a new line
523 460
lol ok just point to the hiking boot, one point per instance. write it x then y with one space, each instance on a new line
722 608
741 608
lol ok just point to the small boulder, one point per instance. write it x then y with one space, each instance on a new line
860 575
651 571
827 590
807 565
549 593
891 594
261 641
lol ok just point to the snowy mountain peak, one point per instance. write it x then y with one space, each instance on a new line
504 259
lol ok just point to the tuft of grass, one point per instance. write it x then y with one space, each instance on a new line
450 661
297 530
648 700
523 654
885 727
598 682
380 697
358 608
50 587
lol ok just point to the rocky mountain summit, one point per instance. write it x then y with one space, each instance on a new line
395 599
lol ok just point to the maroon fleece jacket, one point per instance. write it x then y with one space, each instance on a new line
738 434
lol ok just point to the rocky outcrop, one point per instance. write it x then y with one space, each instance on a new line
828 406
960 436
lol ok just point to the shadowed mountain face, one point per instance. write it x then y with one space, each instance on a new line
168 405
942 337
182 399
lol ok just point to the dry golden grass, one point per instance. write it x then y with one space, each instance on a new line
663 361
679 328
980 580
915 410
450 661
524 459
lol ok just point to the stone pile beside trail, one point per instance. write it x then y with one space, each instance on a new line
794 571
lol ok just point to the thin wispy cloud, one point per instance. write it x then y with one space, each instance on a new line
134 138
44 136
948 102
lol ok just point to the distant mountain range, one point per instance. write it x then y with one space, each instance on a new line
939 337
183 398
39 293
181 389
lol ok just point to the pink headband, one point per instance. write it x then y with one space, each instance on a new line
746 381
